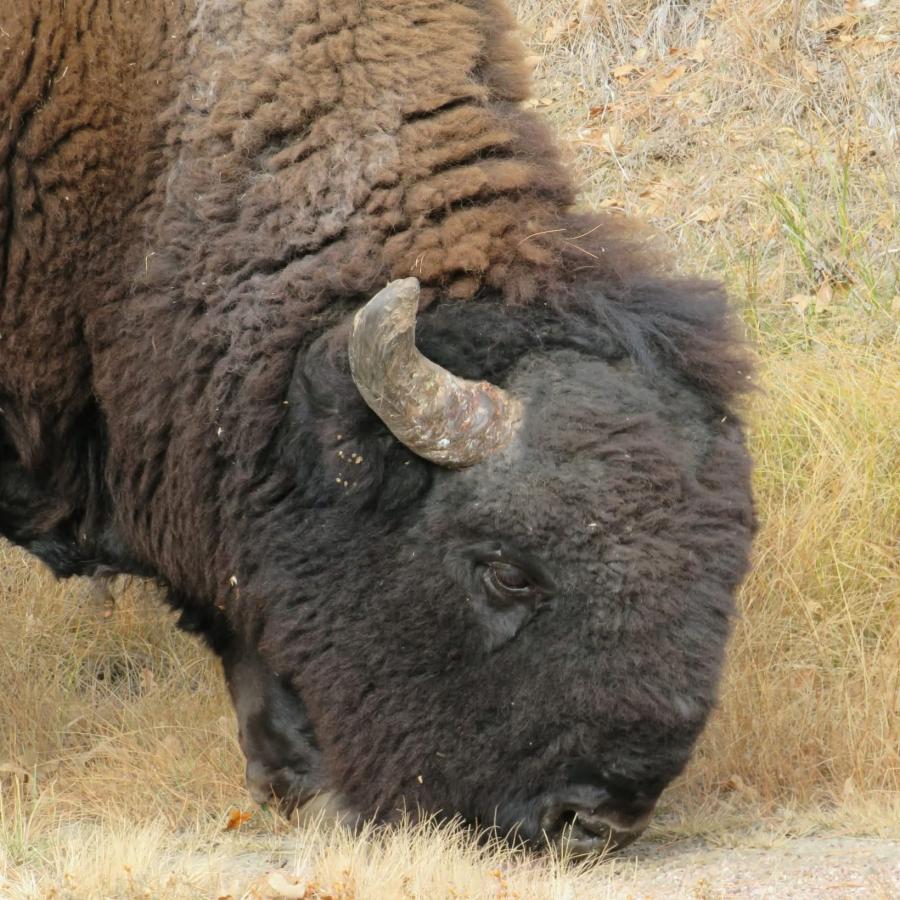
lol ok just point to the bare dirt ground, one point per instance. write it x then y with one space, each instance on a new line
803 868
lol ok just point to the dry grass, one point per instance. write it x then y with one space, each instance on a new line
811 709
767 154
760 136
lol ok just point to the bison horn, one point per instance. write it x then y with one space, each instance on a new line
448 420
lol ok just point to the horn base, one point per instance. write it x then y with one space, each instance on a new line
443 418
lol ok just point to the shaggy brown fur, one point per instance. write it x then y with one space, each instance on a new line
194 194
81 151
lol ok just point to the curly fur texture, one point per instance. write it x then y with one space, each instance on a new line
194 196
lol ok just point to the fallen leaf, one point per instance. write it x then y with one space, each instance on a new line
610 140
870 47
859 149
662 84
697 98
886 220
534 102
290 887
623 71
236 818
739 786
558 28
824 296
707 214
614 137
808 69
699 51
656 197
640 55
148 681
895 305
834 25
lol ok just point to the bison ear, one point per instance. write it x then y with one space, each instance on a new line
443 418
334 446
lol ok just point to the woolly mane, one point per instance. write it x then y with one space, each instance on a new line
322 149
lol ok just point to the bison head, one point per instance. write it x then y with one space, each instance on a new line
504 599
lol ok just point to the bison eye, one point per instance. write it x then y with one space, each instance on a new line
507 580
505 588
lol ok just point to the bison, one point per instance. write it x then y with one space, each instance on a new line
466 544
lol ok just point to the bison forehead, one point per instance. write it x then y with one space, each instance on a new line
602 446
615 483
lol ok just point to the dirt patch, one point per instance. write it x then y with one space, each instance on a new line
811 867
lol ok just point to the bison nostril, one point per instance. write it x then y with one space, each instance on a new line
557 822
578 831
588 818
574 812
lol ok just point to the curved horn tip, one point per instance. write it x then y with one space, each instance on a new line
402 292
395 305
408 286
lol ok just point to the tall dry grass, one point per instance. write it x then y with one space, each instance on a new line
810 713
760 136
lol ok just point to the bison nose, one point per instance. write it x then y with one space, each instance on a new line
587 818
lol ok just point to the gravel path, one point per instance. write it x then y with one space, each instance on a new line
802 869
